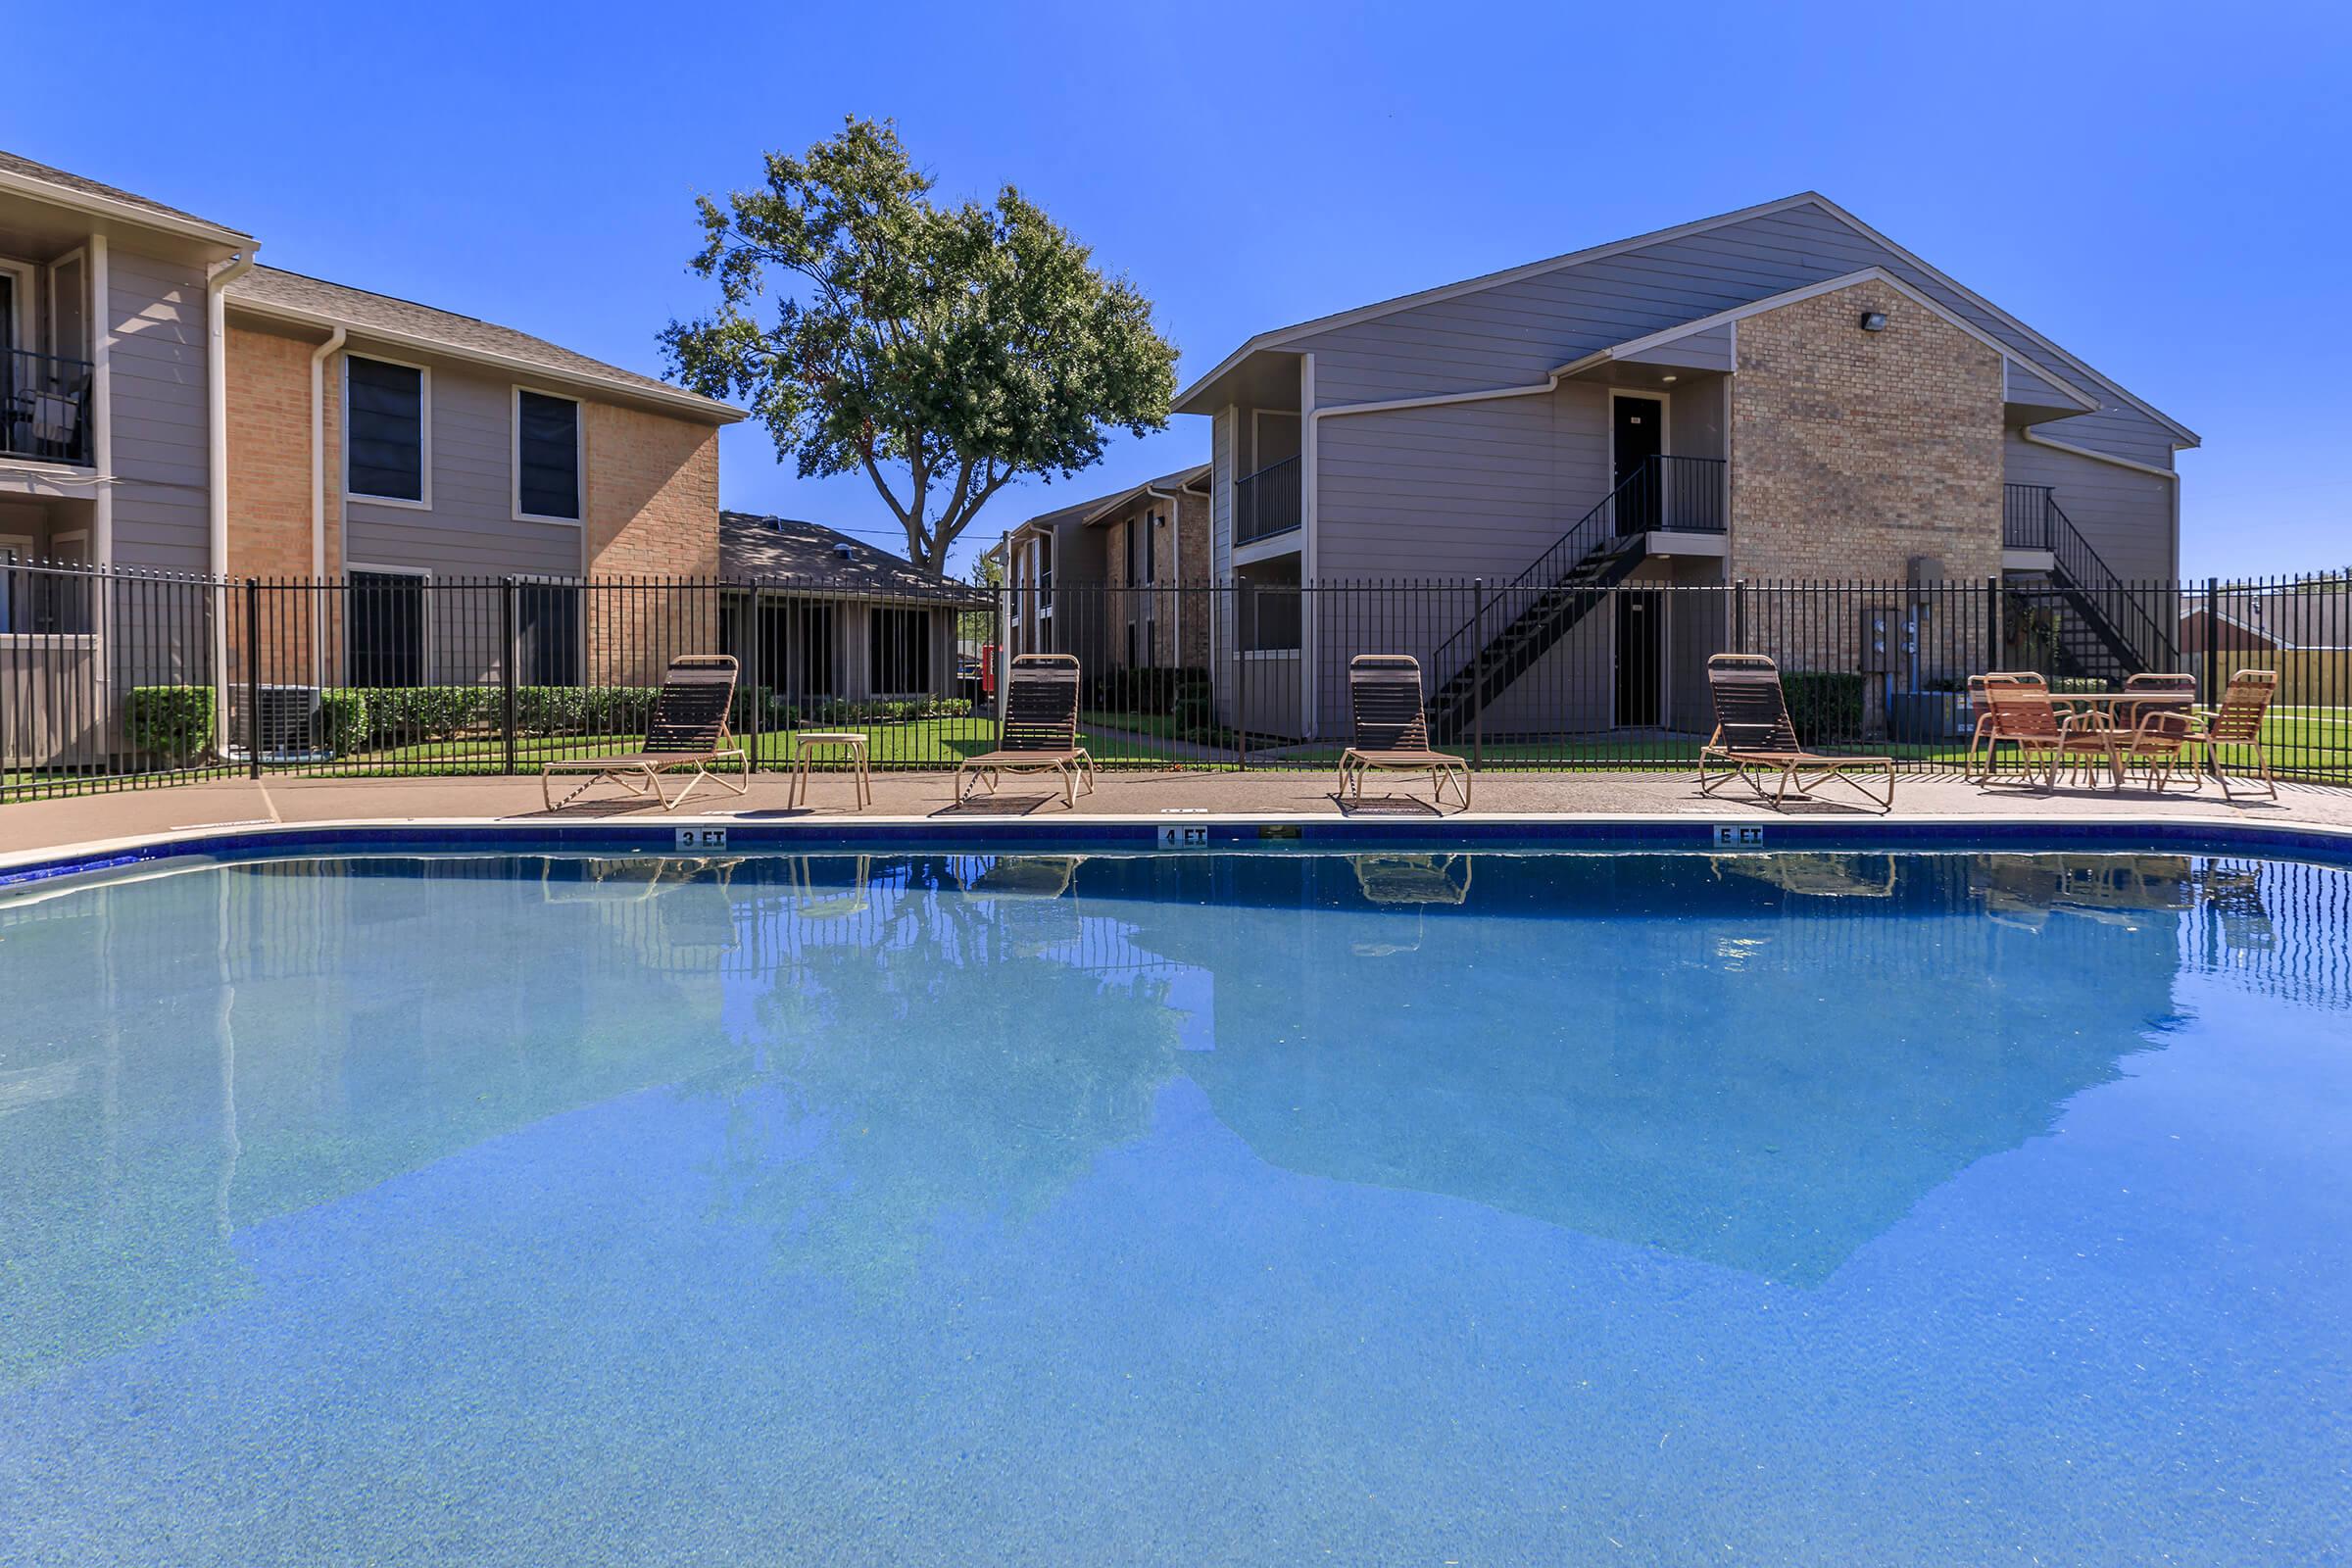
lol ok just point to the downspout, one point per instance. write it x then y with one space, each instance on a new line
1175 501
216 279
318 359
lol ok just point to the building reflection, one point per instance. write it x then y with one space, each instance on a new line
1746 1059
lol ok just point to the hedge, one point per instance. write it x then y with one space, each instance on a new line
172 722
1149 688
1825 706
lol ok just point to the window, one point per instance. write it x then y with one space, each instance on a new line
386 629
547 456
1151 548
899 644
1132 529
386 410
547 633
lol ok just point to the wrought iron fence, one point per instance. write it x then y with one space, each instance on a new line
115 679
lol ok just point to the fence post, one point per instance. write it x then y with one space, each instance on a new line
751 650
253 677
1739 617
2213 639
506 666
1478 674
1995 639
1242 599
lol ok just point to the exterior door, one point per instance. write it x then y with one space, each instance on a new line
1641 657
1638 434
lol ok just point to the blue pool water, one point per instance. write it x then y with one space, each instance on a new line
1548 1208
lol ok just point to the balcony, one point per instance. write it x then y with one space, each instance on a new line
44 408
2026 516
1268 503
1675 495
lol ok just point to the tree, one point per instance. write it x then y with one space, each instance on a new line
952 348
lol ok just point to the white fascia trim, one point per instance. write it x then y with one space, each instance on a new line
2039 439
1469 285
1827 285
2187 436
678 399
97 206
1550 383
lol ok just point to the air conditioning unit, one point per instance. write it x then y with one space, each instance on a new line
290 724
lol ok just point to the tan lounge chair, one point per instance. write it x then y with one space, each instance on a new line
1983 712
1392 729
1754 736
2245 703
688 729
1040 732
2025 719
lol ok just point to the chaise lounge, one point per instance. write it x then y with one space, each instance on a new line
1754 735
1040 732
687 729
1392 729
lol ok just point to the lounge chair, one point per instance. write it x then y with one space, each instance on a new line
1392 729
687 729
2024 719
2238 721
1753 735
1040 732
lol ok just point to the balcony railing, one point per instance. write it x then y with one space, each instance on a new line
2026 516
1680 494
44 408
1267 503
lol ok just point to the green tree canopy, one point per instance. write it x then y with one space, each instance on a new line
943 350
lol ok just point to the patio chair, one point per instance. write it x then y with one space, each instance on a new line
1040 732
2155 742
1754 735
2026 718
1391 730
1983 712
688 729
2153 693
2246 704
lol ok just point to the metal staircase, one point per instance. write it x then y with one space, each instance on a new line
2096 626
1525 618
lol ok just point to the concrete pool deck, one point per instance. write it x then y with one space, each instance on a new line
37 828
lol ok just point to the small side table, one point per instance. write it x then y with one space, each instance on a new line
807 742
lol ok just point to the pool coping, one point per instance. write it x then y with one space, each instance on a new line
1145 833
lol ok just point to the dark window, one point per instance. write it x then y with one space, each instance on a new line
547 456
1132 530
387 430
386 629
898 642
547 634
1131 659
1151 548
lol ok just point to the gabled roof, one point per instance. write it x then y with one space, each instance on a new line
1087 510
89 195
753 548
291 296
1280 337
1827 285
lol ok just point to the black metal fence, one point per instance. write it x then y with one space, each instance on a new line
115 679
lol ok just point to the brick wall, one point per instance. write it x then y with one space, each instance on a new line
268 388
1853 452
651 511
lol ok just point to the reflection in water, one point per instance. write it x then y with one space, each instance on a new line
1230 1195
1747 1059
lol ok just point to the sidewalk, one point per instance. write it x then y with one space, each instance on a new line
36 825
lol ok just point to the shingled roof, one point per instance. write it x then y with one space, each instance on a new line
72 184
753 548
272 291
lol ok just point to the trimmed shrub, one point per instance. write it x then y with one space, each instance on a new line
404 715
1147 688
173 723
1825 706
343 722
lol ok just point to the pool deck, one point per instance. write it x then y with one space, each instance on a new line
33 829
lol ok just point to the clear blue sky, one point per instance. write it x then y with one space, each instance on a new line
2162 189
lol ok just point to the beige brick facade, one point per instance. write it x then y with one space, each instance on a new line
1854 452
268 375
1179 625
651 511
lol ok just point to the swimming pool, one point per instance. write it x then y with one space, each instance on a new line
930 1207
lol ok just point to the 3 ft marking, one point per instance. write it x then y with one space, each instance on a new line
702 838
1176 836
1730 835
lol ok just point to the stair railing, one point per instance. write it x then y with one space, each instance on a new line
2126 615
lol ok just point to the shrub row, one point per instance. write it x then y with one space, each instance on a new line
1150 688
173 724
876 710
1824 705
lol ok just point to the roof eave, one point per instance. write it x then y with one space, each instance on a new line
132 213
675 399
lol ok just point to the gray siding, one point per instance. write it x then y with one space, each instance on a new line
154 311
1460 490
470 530
1514 333
2126 516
